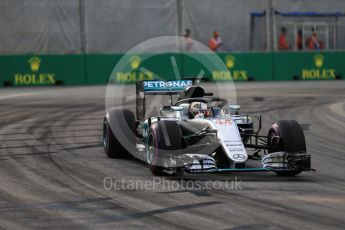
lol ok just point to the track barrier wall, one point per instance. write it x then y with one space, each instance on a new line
309 66
93 69
34 70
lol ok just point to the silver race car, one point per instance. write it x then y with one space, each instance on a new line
201 133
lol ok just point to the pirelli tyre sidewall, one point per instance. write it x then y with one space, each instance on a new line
119 133
286 136
164 139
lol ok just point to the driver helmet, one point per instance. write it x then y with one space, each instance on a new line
200 110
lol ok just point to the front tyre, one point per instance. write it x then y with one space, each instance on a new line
286 136
165 138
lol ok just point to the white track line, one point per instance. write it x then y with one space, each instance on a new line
17 95
338 108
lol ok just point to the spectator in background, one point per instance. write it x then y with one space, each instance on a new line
283 43
299 40
215 42
188 41
313 43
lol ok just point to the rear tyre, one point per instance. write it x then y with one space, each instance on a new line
121 143
286 136
164 139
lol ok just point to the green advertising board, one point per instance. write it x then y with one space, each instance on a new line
35 70
309 65
168 66
99 67
133 67
165 66
237 66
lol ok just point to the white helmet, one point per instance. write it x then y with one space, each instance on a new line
198 109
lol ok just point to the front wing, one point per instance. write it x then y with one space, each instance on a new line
277 162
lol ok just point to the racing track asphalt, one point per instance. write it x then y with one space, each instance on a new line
52 167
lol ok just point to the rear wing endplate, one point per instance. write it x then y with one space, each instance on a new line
144 88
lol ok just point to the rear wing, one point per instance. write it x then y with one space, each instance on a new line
144 88
165 87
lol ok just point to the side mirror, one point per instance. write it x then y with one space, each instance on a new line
212 130
234 109
165 110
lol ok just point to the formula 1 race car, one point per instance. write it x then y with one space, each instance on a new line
201 133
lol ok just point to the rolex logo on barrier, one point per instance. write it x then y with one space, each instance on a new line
318 72
230 62
134 73
35 63
34 75
135 62
318 58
